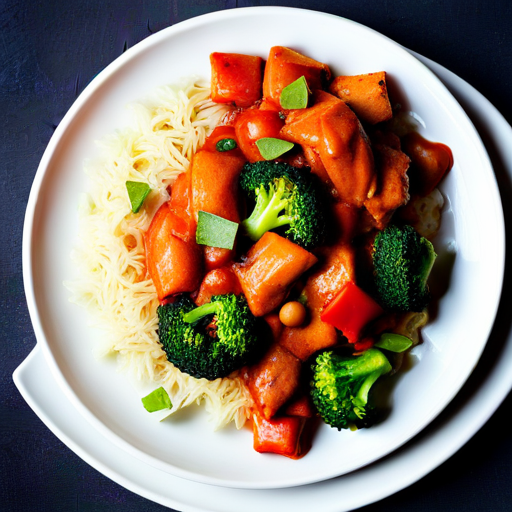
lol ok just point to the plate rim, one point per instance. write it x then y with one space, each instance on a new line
39 178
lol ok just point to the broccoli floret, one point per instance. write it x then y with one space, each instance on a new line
402 261
341 384
209 341
286 199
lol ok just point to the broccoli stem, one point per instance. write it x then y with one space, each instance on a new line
265 215
196 314
382 366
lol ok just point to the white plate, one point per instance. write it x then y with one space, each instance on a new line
474 405
185 446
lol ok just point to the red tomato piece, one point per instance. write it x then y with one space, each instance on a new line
253 125
350 311
236 78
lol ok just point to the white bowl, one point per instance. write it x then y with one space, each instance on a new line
185 445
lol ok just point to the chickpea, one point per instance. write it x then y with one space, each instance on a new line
292 314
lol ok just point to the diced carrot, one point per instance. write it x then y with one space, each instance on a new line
346 154
350 311
278 435
273 380
236 78
272 266
220 281
366 94
174 265
393 184
284 66
337 267
430 161
252 125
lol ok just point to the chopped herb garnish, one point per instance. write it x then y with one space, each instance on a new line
271 148
226 145
137 193
215 231
393 342
295 95
157 400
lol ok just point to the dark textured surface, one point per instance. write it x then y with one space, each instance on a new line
49 51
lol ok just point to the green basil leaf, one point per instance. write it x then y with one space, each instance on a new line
295 95
137 193
157 400
393 342
215 231
271 148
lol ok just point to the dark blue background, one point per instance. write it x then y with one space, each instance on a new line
49 51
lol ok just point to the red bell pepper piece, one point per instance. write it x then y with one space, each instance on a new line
350 311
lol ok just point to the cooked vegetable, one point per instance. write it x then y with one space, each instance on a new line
215 231
173 262
393 342
341 386
292 314
273 380
272 266
367 95
350 311
226 145
219 281
336 268
286 200
393 184
332 130
219 134
295 95
214 189
252 125
157 400
271 148
402 261
137 193
236 78
284 66
211 340
280 435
